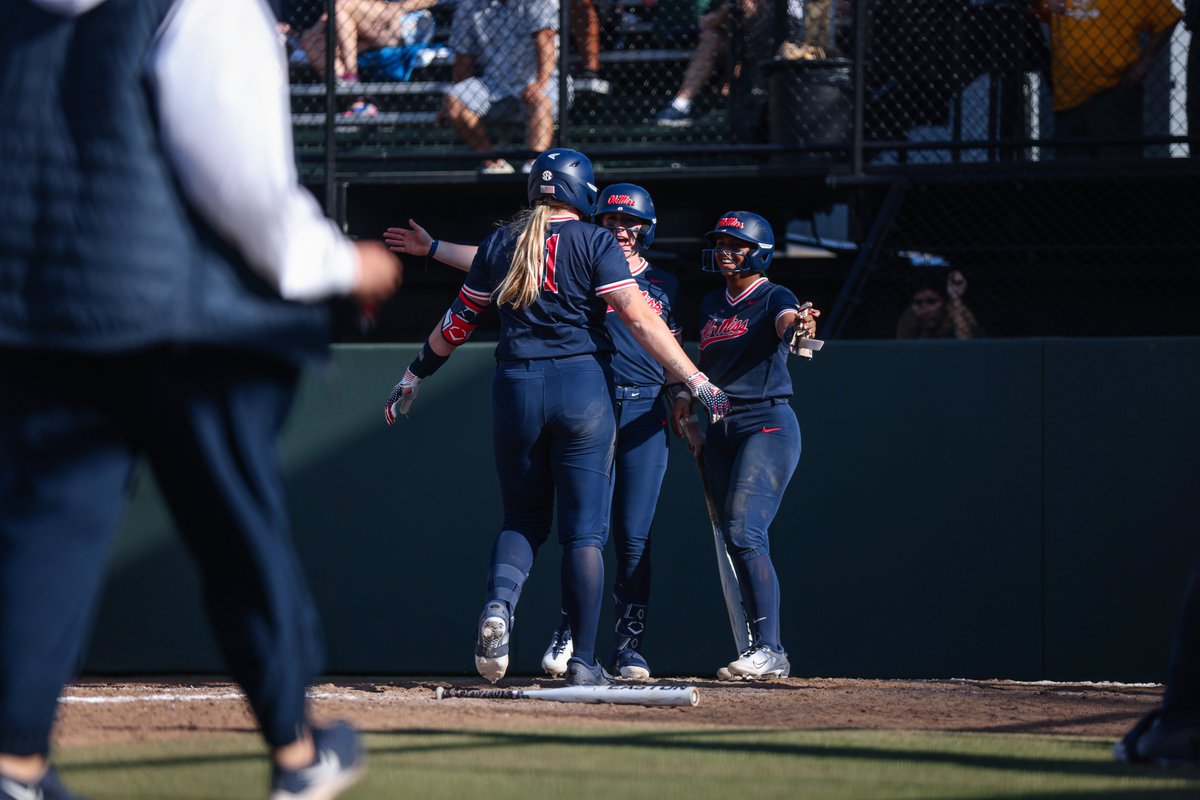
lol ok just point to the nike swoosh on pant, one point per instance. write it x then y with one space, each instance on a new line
770 430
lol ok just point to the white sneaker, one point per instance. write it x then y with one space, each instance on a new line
757 662
498 167
554 662
491 648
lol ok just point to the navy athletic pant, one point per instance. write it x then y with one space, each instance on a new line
641 463
553 430
749 459
71 430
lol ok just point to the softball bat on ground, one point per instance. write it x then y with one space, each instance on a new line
617 695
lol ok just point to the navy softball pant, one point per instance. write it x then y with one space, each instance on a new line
640 464
71 431
553 431
749 459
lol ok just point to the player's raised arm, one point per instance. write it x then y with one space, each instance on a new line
416 241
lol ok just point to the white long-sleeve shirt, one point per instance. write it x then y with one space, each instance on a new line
219 73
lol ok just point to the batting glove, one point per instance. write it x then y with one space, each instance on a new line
711 397
402 396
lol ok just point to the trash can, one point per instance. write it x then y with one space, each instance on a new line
809 103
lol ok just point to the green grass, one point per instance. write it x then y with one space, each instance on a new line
627 765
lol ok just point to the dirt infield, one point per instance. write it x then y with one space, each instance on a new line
104 712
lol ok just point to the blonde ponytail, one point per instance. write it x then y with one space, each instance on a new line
521 285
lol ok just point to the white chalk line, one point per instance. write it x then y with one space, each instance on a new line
187 697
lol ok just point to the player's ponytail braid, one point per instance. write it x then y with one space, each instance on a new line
521 285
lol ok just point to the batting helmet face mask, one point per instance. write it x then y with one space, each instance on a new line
634 201
747 227
566 176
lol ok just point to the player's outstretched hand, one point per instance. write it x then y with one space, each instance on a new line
711 397
414 241
402 396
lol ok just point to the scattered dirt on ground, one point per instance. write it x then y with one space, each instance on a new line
107 712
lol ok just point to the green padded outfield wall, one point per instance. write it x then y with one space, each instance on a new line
998 508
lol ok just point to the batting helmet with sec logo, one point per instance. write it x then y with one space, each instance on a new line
565 175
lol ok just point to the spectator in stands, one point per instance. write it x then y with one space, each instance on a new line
505 68
1098 65
936 310
366 25
711 48
814 29
585 30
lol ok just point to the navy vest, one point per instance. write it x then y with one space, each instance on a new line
99 250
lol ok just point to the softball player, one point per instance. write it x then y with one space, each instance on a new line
641 449
641 452
745 337
552 277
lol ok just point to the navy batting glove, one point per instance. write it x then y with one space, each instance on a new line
711 397
402 396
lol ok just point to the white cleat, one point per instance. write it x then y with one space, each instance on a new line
491 648
755 664
559 652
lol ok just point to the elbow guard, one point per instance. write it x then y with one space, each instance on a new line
460 320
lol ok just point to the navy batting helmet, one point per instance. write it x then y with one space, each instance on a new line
631 199
751 229
565 175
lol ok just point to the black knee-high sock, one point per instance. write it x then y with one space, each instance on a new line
583 592
761 589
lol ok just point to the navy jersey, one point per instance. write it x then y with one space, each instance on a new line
632 365
583 261
739 349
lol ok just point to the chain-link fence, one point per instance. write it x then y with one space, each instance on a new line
419 84
1054 256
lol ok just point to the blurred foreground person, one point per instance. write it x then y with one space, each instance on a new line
161 279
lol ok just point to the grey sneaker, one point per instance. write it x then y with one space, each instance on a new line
630 664
757 662
554 662
491 648
338 764
581 674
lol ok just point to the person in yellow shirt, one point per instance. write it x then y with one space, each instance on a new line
1098 65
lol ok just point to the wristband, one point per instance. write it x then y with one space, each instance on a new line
432 248
427 362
